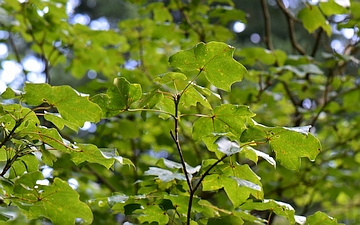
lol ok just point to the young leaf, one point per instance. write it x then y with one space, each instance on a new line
214 59
118 97
71 106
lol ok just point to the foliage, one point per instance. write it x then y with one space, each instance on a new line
198 132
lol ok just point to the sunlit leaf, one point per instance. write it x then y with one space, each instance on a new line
214 59
164 175
171 165
71 105
90 153
254 154
227 147
313 19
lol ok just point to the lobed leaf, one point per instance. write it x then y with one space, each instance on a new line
225 118
279 208
289 144
118 98
71 105
313 19
57 202
214 59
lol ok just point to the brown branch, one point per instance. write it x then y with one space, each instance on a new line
290 20
317 42
267 22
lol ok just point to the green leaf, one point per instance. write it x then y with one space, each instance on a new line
57 202
118 98
289 144
60 122
240 182
170 77
313 19
191 97
90 153
47 136
164 175
214 59
111 153
5 217
152 213
225 220
279 208
212 182
330 8
8 94
225 118
70 104
254 154
227 147
319 218
149 100
174 165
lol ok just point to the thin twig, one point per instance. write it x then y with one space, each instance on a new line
317 42
175 137
290 20
267 22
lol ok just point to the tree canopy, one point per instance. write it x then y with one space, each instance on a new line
172 113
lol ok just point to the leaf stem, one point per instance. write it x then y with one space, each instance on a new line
151 110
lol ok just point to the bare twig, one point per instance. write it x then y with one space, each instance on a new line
290 20
175 137
317 42
267 22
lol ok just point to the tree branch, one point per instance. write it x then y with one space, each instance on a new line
267 22
317 42
290 19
